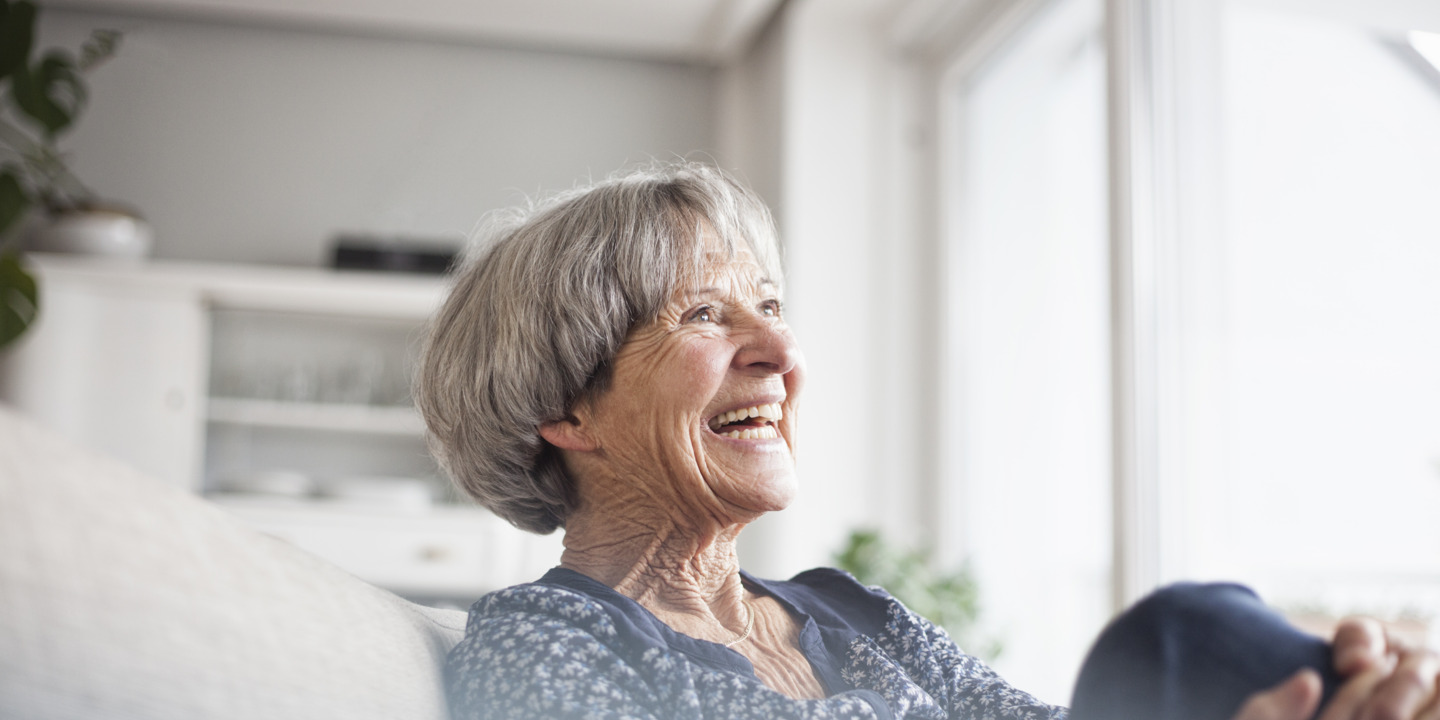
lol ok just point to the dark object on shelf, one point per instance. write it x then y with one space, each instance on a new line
392 256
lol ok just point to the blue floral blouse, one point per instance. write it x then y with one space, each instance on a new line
568 646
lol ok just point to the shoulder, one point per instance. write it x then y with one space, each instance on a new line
536 602
835 598
839 584
542 651
876 616
522 626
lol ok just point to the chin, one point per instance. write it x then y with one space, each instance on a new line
760 493
777 494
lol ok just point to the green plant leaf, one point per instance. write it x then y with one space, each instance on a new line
51 93
17 35
950 599
19 298
13 201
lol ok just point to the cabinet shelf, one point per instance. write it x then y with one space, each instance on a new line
336 417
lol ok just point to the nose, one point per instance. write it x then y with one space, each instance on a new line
767 346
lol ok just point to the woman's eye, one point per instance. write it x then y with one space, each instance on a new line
704 315
770 308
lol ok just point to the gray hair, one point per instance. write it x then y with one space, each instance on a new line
539 310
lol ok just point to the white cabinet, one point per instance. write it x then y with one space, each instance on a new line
279 393
319 395
117 364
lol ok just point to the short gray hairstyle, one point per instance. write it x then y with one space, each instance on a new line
540 308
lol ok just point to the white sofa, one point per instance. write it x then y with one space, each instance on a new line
121 597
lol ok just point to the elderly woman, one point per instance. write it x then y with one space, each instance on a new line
616 362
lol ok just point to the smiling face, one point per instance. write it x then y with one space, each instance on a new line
698 418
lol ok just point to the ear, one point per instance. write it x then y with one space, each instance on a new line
568 433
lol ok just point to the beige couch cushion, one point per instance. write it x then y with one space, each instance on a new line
123 598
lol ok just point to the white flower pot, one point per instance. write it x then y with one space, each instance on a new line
97 232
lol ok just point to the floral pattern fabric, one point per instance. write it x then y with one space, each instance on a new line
542 651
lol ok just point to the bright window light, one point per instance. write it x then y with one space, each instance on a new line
1428 45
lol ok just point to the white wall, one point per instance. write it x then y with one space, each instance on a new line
258 144
751 95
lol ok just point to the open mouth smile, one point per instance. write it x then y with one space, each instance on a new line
749 423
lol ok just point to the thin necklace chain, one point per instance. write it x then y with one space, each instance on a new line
749 624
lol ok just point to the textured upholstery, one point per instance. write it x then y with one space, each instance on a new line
124 598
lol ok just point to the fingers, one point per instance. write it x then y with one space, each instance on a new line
1408 678
1359 646
1406 691
1351 696
1294 699
1431 711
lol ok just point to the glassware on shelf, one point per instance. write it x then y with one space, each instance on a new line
297 358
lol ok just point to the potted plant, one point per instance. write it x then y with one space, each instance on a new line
41 97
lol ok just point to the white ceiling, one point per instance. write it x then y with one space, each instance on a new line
707 31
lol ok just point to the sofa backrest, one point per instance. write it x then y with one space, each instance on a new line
121 597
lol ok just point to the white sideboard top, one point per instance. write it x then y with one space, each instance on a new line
256 287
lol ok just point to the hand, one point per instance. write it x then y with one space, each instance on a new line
1386 680
1402 679
1294 699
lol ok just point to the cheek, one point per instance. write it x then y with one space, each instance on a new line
677 383
701 368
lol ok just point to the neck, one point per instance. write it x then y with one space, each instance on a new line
666 566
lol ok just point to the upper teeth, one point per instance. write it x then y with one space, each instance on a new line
770 411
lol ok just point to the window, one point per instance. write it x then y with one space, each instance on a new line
1193 311
1028 306
1323 408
